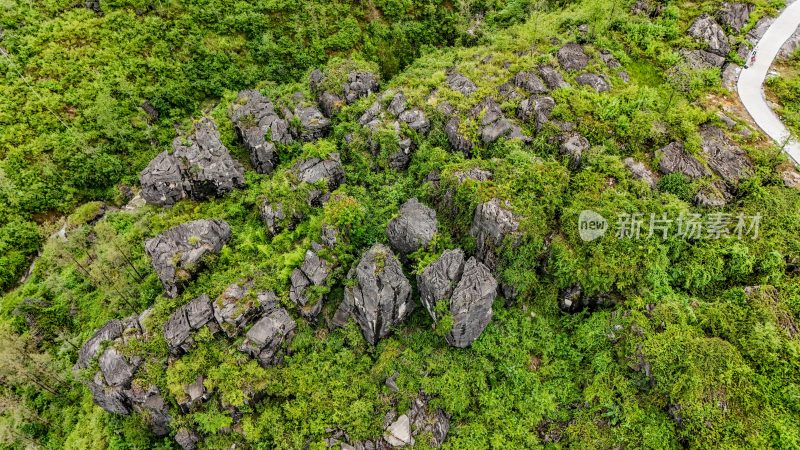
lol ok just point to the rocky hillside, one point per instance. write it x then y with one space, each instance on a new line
564 236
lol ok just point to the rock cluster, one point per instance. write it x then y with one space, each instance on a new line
187 320
413 228
199 168
380 296
312 272
708 32
572 57
723 156
493 124
490 225
237 307
468 288
112 386
735 15
375 119
538 108
254 118
268 338
315 169
460 83
178 253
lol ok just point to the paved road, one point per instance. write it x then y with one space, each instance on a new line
751 80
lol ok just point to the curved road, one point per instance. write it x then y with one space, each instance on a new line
751 80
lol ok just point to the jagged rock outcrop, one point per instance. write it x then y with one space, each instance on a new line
187 439
573 144
469 288
313 124
380 296
196 394
640 172
723 155
269 337
200 168
255 119
552 77
572 300
112 386
714 195
474 173
735 15
276 218
493 124
675 159
359 84
162 180
424 420
236 307
761 27
530 82
185 321
398 433
413 228
414 117
538 108
456 138
312 272
460 83
730 75
315 169
491 223
708 32
178 253
330 104
594 81
572 57
702 59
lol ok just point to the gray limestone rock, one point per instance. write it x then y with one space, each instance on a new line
457 139
185 321
538 108
490 225
675 159
572 57
315 169
312 272
359 84
110 331
330 104
492 123
162 181
708 32
702 59
715 195
413 228
735 15
552 77
270 336
178 253
427 421
196 394
460 83
187 439
530 82
594 81
723 155
259 126
640 172
235 308
313 124
380 296
573 145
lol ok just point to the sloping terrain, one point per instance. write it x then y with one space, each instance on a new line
348 258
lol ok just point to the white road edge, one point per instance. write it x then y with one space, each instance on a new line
751 80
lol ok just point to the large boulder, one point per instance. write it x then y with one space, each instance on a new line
178 253
413 228
493 124
456 137
552 77
537 108
380 295
313 124
207 167
112 330
491 223
359 84
185 321
312 272
572 57
259 126
468 288
723 155
708 32
702 59
735 15
530 82
675 159
315 169
162 181
594 81
460 83
236 307
270 336
640 172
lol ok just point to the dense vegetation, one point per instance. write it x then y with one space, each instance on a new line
785 91
723 360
